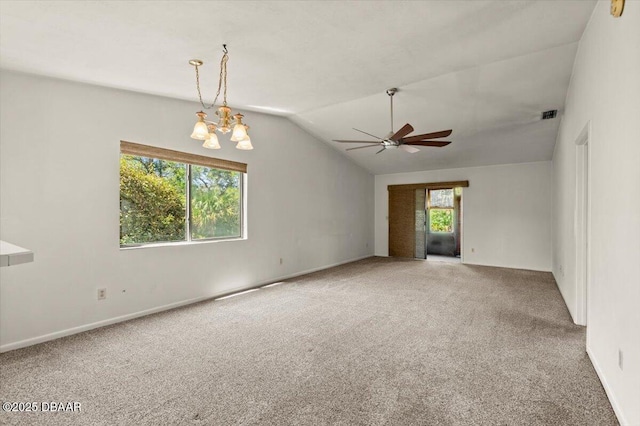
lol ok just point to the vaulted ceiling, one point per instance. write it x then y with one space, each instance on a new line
486 69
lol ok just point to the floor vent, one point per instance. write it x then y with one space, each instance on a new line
548 115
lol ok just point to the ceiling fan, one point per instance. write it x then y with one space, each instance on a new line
399 139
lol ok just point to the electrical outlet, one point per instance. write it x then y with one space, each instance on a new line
620 359
102 293
281 261
473 250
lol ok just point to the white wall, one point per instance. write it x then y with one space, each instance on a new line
59 148
506 213
605 90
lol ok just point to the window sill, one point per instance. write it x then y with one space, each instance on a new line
181 243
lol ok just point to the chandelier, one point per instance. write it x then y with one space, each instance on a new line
205 130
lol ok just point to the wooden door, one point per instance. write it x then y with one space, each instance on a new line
402 233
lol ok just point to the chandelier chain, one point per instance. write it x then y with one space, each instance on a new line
223 65
222 77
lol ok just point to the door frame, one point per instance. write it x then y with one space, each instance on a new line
413 186
457 224
582 224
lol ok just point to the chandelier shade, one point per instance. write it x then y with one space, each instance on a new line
245 144
212 139
200 130
239 130
212 142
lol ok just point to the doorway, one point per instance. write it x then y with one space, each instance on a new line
425 220
442 225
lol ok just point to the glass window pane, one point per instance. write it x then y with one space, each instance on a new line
441 220
441 197
215 203
152 200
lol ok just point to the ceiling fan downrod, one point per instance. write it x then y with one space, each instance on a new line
391 92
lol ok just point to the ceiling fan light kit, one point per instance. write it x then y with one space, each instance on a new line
206 130
395 140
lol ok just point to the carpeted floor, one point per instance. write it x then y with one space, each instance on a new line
379 341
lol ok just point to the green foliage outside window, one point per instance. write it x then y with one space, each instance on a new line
215 205
153 200
441 220
152 206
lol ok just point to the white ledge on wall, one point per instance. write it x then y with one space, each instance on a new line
13 255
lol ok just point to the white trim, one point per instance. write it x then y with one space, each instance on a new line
583 137
524 268
181 243
607 389
564 298
582 223
462 225
86 327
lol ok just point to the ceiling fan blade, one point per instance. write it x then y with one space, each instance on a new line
406 129
434 135
350 141
373 136
409 149
360 147
381 150
428 143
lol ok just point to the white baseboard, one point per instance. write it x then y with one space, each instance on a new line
566 301
524 268
607 389
309 271
86 327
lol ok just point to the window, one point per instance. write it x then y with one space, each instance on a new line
441 208
215 203
152 200
168 196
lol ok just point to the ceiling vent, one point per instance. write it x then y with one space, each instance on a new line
548 115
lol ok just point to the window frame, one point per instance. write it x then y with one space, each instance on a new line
241 213
451 209
133 149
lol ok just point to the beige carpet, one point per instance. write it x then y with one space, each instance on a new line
379 341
